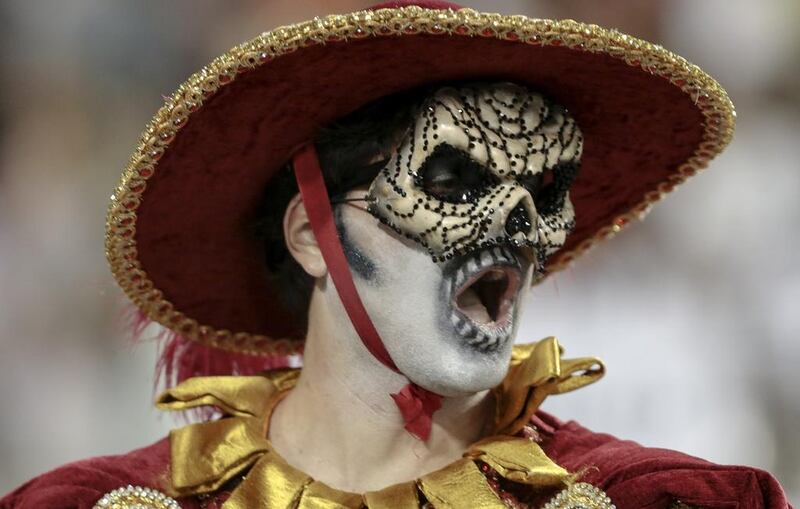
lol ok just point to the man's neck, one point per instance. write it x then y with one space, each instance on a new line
340 425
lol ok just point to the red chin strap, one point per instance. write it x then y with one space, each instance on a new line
416 404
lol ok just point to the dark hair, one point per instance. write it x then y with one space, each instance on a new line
347 152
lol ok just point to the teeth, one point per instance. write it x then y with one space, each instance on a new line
479 339
504 252
491 344
486 259
460 277
455 320
472 266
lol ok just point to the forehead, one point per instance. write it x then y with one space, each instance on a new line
508 128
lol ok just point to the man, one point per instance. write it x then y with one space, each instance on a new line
393 251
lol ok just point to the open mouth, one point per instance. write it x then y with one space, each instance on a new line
486 298
483 293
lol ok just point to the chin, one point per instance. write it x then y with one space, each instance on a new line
463 373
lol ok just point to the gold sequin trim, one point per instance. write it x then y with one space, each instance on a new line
136 497
580 496
121 249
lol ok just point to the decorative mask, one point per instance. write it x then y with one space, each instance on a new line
483 165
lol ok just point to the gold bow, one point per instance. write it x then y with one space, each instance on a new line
537 371
205 456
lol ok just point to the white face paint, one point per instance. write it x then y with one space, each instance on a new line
465 206
411 301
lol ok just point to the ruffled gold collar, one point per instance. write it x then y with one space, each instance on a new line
206 456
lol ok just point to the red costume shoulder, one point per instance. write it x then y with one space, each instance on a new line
633 476
640 477
81 484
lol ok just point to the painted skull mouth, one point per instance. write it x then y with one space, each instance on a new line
486 297
483 297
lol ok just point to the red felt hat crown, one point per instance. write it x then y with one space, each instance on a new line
177 237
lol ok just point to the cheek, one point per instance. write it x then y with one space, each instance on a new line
395 259
406 281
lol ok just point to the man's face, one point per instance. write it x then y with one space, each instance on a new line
469 205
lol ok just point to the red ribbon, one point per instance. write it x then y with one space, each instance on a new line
416 404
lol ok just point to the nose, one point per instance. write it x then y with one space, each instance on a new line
518 221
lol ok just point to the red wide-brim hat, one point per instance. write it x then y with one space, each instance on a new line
178 237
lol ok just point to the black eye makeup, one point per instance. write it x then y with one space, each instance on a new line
532 182
451 175
554 186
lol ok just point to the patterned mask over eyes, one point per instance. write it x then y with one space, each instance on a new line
483 165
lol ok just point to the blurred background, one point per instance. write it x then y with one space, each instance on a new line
695 311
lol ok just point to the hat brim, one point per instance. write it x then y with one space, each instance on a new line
178 237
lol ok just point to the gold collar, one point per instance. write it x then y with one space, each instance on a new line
207 455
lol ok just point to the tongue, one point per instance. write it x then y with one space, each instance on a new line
470 304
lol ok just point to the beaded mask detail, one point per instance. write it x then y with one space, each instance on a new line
483 165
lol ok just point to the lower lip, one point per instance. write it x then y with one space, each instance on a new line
498 327
494 337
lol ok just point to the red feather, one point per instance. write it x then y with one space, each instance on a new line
180 358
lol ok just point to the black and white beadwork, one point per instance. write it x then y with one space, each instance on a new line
484 165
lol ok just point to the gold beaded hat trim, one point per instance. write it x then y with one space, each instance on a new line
174 235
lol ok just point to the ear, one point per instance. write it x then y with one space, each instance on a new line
300 239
